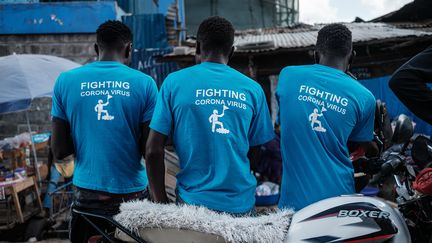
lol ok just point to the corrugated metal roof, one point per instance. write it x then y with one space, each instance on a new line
260 40
294 38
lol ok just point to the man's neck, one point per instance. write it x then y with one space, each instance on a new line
334 63
214 58
110 57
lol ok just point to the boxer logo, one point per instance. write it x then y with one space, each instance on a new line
364 213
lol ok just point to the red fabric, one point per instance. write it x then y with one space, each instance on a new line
357 154
423 182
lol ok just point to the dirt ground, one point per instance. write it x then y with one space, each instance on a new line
48 241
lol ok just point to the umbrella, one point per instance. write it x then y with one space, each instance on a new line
25 77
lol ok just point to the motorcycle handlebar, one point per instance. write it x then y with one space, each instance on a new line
390 165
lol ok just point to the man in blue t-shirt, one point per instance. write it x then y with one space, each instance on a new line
321 108
215 115
101 114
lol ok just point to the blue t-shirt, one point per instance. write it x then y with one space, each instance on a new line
214 115
105 104
320 110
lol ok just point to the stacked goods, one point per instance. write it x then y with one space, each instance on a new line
15 154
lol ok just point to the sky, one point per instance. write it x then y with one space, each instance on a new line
328 11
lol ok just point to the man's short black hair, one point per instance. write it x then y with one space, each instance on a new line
334 39
216 34
113 35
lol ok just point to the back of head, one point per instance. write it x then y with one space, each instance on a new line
216 36
334 40
113 36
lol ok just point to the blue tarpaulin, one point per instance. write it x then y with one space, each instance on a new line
56 17
380 89
148 30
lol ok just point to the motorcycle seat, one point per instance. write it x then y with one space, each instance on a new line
185 223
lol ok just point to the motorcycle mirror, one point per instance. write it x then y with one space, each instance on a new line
421 151
403 131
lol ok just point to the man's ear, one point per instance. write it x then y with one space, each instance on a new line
128 50
351 58
316 57
96 48
198 48
231 52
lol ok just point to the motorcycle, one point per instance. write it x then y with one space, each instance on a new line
356 218
347 218
405 162
410 221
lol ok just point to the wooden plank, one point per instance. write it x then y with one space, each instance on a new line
22 185
20 216
38 199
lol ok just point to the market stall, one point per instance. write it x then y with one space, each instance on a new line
19 191
24 78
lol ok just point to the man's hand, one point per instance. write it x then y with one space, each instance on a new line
155 165
61 140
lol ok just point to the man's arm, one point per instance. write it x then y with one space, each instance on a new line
155 165
254 156
409 83
145 130
61 139
363 131
370 148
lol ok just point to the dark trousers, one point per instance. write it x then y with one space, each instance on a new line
95 202
251 213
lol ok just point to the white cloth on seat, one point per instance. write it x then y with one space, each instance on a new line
273 227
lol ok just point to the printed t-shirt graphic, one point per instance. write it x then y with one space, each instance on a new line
105 104
214 120
321 109
214 115
99 108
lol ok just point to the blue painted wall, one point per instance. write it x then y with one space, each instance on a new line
18 1
380 89
146 7
58 17
150 7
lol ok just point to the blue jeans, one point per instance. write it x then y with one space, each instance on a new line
54 179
